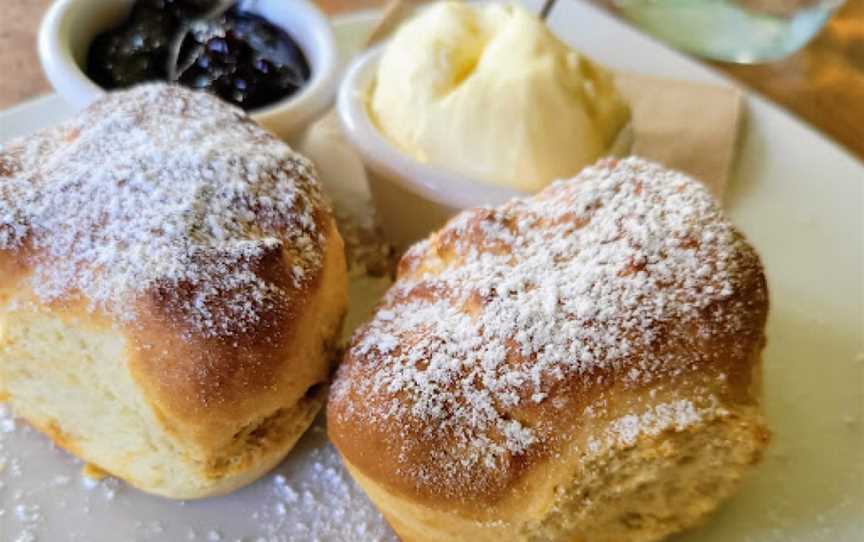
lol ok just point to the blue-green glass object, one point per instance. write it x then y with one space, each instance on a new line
744 31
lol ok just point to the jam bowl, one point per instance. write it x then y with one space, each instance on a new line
71 26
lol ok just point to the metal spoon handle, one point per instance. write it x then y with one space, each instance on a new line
395 12
548 5
173 60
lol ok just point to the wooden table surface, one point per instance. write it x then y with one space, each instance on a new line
823 83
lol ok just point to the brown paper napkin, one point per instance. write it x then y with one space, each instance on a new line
691 127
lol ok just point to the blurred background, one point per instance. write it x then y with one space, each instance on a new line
822 83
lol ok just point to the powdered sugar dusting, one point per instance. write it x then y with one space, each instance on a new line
676 415
160 187
622 272
325 505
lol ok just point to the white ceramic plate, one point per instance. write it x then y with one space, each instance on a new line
797 196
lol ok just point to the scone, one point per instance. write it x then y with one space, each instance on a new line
582 365
171 284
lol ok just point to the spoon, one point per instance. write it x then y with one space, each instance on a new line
174 71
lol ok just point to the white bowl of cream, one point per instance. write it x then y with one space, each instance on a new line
472 105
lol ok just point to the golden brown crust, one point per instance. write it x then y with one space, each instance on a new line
175 227
415 407
208 388
229 410
658 485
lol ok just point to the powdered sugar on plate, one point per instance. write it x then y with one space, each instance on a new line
161 187
309 497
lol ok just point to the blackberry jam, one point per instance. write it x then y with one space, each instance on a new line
237 55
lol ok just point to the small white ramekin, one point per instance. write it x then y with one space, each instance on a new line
71 25
412 198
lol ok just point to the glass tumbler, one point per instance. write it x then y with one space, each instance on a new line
743 31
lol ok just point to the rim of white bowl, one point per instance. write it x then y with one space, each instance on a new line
440 185
69 80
